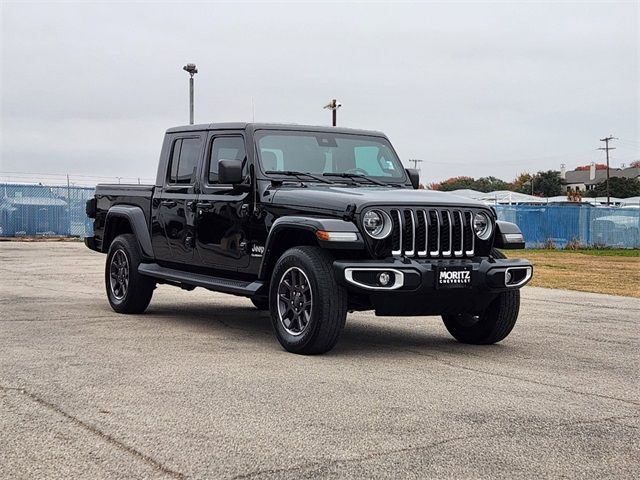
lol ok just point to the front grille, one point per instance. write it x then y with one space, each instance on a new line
432 233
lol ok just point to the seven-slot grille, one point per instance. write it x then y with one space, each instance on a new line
432 233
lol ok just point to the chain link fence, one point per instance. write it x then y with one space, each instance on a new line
578 225
40 210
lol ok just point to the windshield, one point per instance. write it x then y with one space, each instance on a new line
328 153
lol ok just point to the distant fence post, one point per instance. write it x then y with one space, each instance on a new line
69 201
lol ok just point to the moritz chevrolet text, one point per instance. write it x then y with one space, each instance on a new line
310 223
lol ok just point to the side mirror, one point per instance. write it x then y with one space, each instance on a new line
230 171
414 177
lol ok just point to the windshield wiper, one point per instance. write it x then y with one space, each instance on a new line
291 173
356 175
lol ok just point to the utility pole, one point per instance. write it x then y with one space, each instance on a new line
415 163
606 148
192 70
333 105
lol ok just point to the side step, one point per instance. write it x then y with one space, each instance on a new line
218 284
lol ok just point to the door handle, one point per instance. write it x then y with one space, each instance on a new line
204 205
168 203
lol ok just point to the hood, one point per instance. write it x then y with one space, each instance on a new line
338 197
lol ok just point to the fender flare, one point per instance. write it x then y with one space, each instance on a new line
138 223
310 224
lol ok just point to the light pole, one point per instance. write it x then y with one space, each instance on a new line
530 182
333 105
192 70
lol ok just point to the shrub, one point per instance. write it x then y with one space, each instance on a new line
574 244
549 244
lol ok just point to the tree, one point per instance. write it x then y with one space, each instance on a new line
599 166
522 183
547 184
483 184
490 184
618 187
455 183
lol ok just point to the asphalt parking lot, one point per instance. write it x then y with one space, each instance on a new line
198 387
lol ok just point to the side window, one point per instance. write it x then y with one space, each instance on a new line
224 148
184 161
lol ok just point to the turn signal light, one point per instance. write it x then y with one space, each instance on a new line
336 236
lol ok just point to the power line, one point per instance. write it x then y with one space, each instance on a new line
606 148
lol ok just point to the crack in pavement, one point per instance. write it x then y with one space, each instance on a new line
417 448
575 304
96 431
502 375
526 380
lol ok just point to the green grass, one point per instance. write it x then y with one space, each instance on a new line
598 252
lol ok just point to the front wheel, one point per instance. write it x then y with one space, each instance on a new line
127 290
308 307
490 326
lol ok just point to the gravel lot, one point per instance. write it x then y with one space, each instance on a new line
199 387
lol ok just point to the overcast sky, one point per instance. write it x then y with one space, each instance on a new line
473 88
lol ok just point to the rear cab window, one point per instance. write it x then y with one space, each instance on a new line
183 161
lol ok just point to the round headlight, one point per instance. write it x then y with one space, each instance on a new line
377 224
482 225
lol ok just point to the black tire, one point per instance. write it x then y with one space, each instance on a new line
320 325
493 325
260 302
138 289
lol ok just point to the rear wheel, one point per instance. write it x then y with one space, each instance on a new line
490 326
308 307
127 290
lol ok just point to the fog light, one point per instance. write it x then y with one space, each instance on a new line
507 278
384 278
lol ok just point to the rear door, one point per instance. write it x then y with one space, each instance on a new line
222 211
173 235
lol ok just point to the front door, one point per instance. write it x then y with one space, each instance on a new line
174 204
222 211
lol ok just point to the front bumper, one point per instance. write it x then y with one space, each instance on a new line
425 287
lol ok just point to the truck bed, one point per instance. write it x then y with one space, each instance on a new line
109 195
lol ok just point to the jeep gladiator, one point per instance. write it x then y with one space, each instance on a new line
309 223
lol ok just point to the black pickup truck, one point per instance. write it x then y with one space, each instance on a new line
309 223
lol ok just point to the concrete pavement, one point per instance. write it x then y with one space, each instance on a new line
198 387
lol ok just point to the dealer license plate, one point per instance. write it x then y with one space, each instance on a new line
453 277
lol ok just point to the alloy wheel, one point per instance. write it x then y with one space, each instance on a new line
119 274
294 301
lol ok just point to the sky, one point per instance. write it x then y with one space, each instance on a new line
471 88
